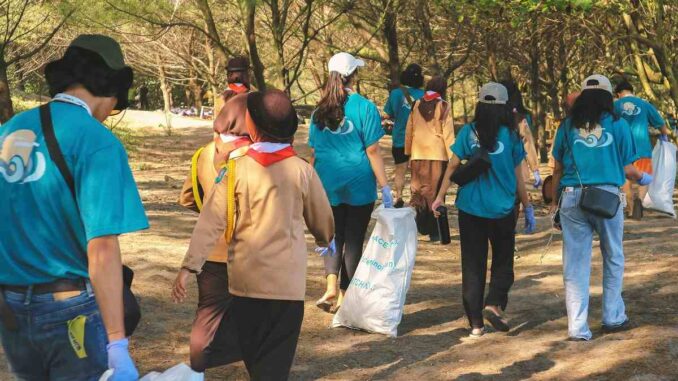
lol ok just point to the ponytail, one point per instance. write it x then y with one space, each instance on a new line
330 110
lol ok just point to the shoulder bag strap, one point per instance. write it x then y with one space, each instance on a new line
407 95
53 147
195 184
571 149
230 201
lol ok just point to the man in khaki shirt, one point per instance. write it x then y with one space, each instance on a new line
213 338
274 194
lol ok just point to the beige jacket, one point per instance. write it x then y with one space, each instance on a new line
267 256
531 162
430 140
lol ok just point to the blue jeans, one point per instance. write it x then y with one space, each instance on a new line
41 350
578 227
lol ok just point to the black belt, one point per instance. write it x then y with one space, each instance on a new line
62 285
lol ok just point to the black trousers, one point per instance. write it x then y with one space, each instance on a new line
475 233
350 227
214 337
268 331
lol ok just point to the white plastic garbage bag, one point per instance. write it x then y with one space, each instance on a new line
375 298
179 372
660 192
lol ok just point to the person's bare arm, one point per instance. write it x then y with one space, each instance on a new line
445 185
520 183
105 271
377 163
557 175
632 173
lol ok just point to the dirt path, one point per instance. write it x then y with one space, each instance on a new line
433 343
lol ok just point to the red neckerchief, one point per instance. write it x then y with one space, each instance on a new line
243 141
238 88
431 95
269 158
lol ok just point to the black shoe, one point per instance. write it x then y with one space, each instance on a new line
399 204
617 328
496 321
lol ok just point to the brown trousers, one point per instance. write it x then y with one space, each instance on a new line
427 176
214 339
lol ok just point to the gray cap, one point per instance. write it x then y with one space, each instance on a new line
493 93
597 81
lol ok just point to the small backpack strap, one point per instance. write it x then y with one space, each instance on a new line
53 147
230 201
195 184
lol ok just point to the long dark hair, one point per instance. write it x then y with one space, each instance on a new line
590 107
330 110
488 119
427 108
515 101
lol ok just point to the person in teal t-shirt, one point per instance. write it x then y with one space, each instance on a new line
59 252
640 115
486 205
593 149
344 135
398 108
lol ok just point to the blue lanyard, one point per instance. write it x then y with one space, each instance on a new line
61 97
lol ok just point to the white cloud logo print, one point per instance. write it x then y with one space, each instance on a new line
630 109
20 162
345 128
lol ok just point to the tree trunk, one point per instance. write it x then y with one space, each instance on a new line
391 36
277 31
637 59
536 88
164 86
6 108
251 39
423 16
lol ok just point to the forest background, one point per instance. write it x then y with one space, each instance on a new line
179 48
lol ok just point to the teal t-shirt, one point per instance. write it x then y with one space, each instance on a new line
399 110
492 194
640 115
601 154
44 233
340 158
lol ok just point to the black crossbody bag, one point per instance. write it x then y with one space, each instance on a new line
596 201
474 167
131 305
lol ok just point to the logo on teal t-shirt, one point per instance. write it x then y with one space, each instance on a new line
596 138
20 158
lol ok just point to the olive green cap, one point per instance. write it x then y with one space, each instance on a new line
104 46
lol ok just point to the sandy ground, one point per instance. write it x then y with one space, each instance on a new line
433 342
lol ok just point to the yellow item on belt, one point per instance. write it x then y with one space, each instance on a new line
76 335
194 178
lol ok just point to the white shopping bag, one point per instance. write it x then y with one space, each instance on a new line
375 298
660 192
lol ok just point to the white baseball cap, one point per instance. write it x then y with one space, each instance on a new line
493 93
344 63
597 81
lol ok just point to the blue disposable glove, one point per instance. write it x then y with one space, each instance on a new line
331 249
530 222
537 179
120 361
386 196
645 179
664 137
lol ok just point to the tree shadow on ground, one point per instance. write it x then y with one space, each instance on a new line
519 370
363 355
